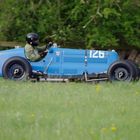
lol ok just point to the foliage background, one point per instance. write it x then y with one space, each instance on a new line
94 23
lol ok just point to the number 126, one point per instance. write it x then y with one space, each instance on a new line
96 54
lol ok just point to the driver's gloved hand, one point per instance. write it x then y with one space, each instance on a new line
42 54
49 45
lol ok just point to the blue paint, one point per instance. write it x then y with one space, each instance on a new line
65 62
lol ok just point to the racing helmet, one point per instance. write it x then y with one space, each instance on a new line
32 39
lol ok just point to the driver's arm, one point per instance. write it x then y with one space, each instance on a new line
31 53
44 49
41 49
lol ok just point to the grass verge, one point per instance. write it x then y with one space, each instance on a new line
69 111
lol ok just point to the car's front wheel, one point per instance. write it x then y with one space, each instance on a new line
16 68
135 68
121 71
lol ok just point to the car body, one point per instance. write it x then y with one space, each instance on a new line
61 63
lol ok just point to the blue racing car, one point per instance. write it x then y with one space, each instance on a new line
60 64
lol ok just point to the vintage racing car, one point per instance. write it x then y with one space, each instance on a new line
60 64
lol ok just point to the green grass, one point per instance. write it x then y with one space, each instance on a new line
69 111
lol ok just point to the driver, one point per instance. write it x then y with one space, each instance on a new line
32 51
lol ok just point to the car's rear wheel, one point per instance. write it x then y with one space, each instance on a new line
16 68
121 71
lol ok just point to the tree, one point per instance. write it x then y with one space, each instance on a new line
101 23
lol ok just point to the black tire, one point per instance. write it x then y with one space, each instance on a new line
139 72
16 68
135 68
121 71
